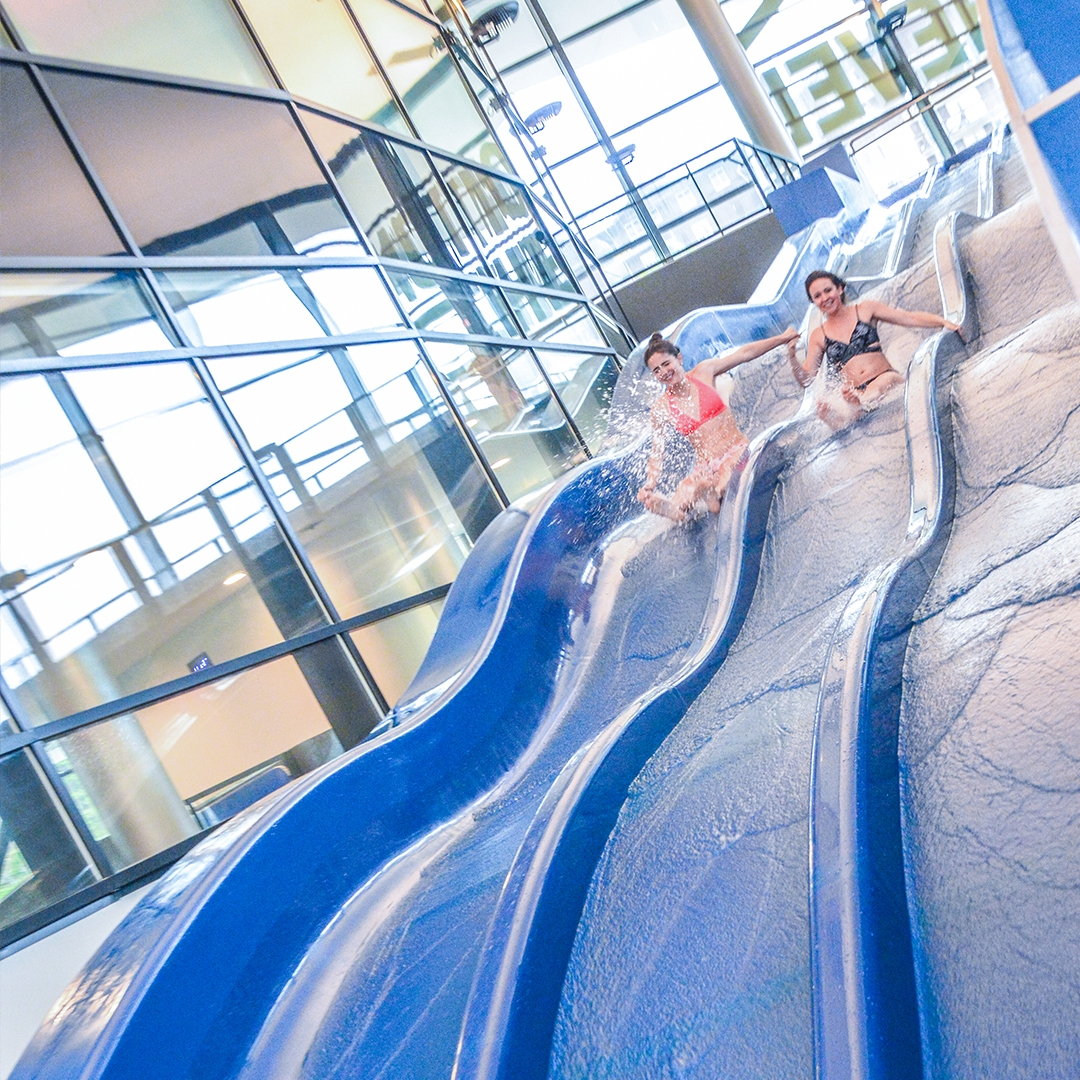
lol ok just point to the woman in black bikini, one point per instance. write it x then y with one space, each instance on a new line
848 340
691 405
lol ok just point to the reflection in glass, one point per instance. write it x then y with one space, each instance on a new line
569 17
656 44
765 31
544 317
438 206
232 307
539 83
203 39
48 207
394 648
392 194
587 181
216 742
683 133
40 860
204 173
512 243
585 384
319 55
138 541
48 314
415 59
127 807
511 412
453 306
361 448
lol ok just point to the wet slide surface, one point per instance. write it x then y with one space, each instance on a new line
693 956
394 993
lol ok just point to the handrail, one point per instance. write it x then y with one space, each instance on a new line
683 170
973 71
863 982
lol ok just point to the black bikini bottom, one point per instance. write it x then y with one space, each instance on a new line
863 386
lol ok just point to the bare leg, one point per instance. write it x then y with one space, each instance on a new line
880 387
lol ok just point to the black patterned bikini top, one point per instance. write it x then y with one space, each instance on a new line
864 339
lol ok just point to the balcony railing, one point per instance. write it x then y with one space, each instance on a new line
701 198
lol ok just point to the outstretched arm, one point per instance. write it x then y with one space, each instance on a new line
815 348
709 369
900 317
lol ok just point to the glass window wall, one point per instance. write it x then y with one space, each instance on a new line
139 540
48 207
204 173
538 83
642 63
394 648
235 307
394 195
585 385
569 17
319 55
453 306
415 58
46 314
42 860
362 450
827 72
216 572
512 243
202 39
511 412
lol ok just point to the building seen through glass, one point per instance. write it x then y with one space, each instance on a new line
295 297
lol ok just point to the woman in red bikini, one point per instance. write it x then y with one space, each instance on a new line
691 405
848 340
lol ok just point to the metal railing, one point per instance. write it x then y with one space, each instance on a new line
702 198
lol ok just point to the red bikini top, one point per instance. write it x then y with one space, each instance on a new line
710 404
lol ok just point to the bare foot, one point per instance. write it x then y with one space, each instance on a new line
834 417
658 504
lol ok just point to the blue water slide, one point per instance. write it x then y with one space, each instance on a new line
715 940
233 965
410 909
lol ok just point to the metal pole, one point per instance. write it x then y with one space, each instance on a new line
726 54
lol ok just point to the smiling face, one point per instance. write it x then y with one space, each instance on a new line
668 369
826 296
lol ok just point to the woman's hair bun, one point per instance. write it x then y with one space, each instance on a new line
656 337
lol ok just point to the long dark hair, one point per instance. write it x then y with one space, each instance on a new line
839 282
660 344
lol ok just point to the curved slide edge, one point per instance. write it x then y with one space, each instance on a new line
514 1001
208 951
866 1017
470 609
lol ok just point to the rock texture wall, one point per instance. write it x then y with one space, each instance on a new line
991 712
